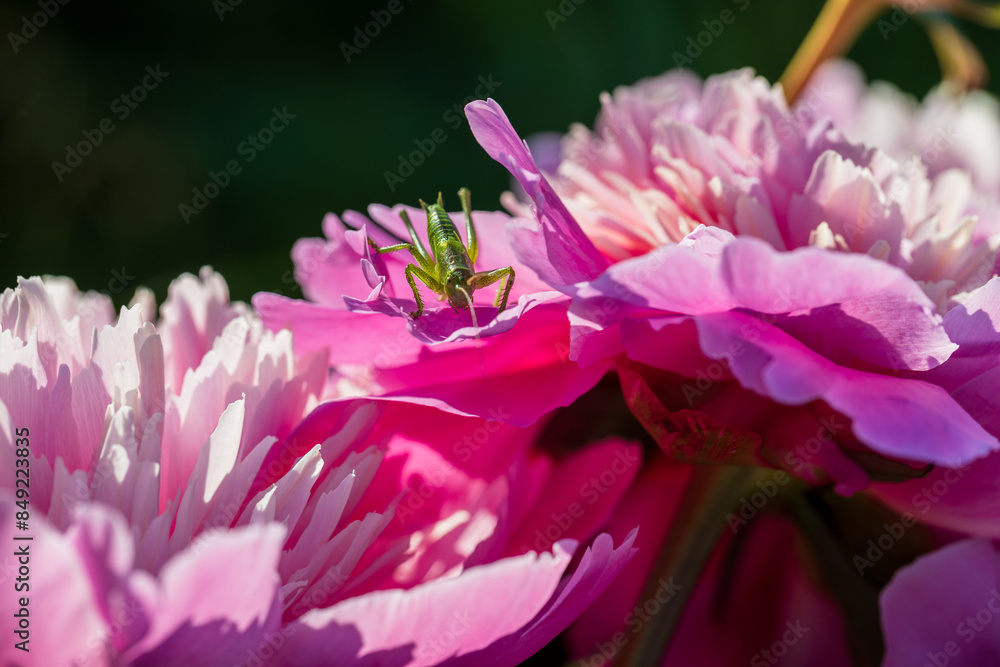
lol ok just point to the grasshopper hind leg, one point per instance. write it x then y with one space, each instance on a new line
470 230
484 278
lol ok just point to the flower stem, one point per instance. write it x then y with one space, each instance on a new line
961 63
837 26
713 492
858 598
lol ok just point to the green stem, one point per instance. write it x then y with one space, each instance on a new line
857 598
837 26
714 491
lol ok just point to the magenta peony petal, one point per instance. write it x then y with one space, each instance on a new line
570 256
498 377
965 499
940 609
975 327
902 418
579 496
348 339
883 317
327 269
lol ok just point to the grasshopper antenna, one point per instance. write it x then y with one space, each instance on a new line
374 224
479 347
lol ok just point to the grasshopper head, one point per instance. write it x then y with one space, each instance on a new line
458 290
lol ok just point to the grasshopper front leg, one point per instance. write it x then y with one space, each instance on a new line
425 271
412 272
484 278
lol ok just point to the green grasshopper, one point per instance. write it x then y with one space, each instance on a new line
450 271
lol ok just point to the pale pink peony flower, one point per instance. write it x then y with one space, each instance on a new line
949 129
771 292
189 506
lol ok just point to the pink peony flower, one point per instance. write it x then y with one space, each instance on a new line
358 313
189 505
771 293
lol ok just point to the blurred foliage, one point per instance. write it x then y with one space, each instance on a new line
118 211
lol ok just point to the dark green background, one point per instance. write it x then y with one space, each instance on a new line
119 208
